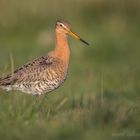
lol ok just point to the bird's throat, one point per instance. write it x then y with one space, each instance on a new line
62 50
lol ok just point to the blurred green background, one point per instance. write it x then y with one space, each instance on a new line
100 98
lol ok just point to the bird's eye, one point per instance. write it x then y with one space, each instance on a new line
61 25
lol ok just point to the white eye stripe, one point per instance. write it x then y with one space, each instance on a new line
62 25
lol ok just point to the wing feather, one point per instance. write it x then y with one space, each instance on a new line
29 71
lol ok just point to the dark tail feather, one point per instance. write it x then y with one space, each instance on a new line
5 81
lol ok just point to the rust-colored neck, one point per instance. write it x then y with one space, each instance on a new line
62 50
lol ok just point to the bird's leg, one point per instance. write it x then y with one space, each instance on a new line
39 100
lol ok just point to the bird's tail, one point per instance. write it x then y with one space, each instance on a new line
5 81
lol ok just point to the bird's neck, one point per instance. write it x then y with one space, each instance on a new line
62 50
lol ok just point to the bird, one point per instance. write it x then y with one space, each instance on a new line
46 73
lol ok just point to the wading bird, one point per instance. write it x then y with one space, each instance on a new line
45 73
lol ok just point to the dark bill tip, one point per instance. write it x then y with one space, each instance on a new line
84 41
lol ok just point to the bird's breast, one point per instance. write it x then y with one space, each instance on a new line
52 77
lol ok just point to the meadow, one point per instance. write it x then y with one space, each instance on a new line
101 96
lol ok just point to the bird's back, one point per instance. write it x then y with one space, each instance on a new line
39 76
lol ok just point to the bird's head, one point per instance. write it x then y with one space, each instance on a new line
63 27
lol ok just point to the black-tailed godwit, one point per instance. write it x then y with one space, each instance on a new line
45 73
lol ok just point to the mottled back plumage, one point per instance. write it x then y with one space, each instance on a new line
39 76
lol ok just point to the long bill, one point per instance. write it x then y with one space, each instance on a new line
77 37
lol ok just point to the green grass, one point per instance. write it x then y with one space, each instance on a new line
100 98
